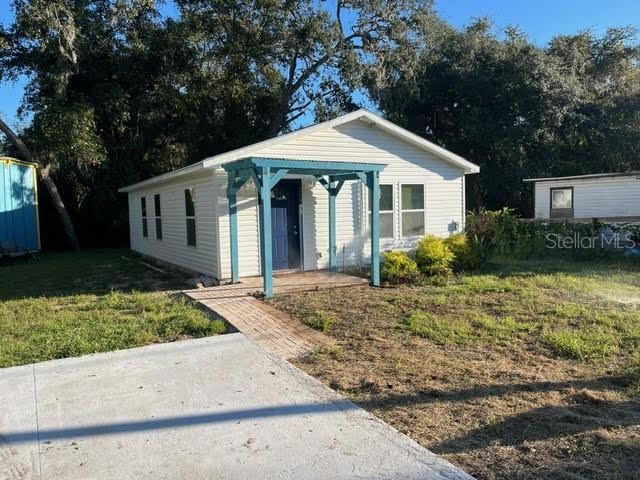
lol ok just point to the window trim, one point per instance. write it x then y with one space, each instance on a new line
392 211
561 212
191 217
143 215
423 209
158 206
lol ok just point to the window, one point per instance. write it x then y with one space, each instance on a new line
386 210
143 207
562 202
412 210
561 198
156 201
190 213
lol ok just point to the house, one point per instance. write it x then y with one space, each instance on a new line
609 197
305 197
19 226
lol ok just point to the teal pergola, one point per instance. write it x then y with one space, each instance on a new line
267 172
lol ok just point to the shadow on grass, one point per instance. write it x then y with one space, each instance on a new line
616 382
95 272
579 267
584 413
545 423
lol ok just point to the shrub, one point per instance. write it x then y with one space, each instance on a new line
503 234
433 256
467 254
398 267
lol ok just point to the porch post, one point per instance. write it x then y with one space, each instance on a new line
332 226
233 225
265 231
373 178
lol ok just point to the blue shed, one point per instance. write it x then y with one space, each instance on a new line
19 230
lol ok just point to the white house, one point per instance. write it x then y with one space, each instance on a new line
613 197
311 187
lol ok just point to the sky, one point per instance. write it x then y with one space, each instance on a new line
540 20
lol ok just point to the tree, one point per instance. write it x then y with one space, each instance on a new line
519 110
50 185
299 54
119 94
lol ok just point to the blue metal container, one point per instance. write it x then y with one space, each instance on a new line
19 230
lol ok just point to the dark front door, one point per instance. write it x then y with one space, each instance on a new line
285 224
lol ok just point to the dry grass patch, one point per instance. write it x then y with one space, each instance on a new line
525 371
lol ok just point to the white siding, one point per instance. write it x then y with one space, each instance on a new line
594 197
356 141
352 142
173 247
248 228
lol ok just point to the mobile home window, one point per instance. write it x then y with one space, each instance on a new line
386 210
156 201
561 202
190 213
143 208
561 198
412 210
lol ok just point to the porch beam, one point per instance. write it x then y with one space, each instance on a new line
256 179
332 226
363 176
322 181
277 176
265 231
313 165
233 225
373 182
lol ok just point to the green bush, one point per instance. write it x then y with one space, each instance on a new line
433 256
399 267
467 254
502 234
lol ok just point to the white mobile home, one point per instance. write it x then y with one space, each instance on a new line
606 196
297 194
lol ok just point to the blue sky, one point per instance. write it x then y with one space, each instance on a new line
539 19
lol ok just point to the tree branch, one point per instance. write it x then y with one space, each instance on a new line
67 224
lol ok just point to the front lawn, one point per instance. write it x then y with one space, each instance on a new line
60 305
528 370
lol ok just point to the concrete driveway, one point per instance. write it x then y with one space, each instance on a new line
211 408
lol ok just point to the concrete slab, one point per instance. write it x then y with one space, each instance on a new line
218 407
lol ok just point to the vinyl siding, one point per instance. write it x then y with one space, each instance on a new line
594 197
173 247
353 142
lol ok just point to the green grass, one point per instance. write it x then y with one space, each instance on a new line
68 304
587 311
320 320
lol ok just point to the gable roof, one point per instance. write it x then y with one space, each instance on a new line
361 115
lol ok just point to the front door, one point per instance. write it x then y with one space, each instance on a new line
285 224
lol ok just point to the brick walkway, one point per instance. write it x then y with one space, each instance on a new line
269 327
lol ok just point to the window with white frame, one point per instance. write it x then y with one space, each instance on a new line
143 208
386 210
412 210
190 213
158 212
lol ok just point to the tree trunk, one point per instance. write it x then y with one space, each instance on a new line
67 224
